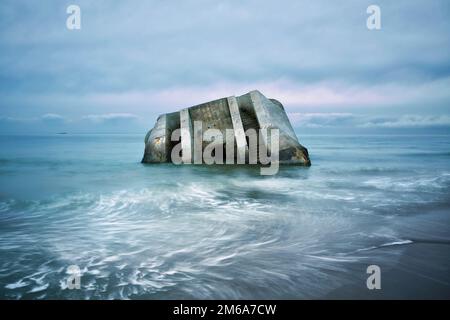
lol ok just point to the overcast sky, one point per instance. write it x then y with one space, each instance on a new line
133 60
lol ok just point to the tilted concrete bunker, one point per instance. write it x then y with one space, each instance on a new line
249 111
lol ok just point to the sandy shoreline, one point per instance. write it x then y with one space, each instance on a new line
421 271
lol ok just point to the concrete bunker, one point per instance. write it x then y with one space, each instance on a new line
249 111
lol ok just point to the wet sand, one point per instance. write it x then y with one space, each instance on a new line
422 270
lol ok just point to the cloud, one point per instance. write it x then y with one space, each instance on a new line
154 57
45 118
13 119
355 121
111 117
289 92
29 124
160 45
408 121
321 120
292 94
52 118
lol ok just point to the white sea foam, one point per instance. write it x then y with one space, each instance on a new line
39 288
413 183
18 284
207 238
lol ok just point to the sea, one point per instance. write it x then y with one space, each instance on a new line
85 202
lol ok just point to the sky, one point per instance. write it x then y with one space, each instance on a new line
133 60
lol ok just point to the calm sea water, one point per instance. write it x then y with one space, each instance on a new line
165 231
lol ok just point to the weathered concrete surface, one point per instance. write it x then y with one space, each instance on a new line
249 111
186 136
239 132
270 114
157 141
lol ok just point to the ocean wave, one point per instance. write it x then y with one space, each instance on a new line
399 242
128 244
210 238
411 184
362 170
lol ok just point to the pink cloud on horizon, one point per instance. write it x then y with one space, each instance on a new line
289 93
